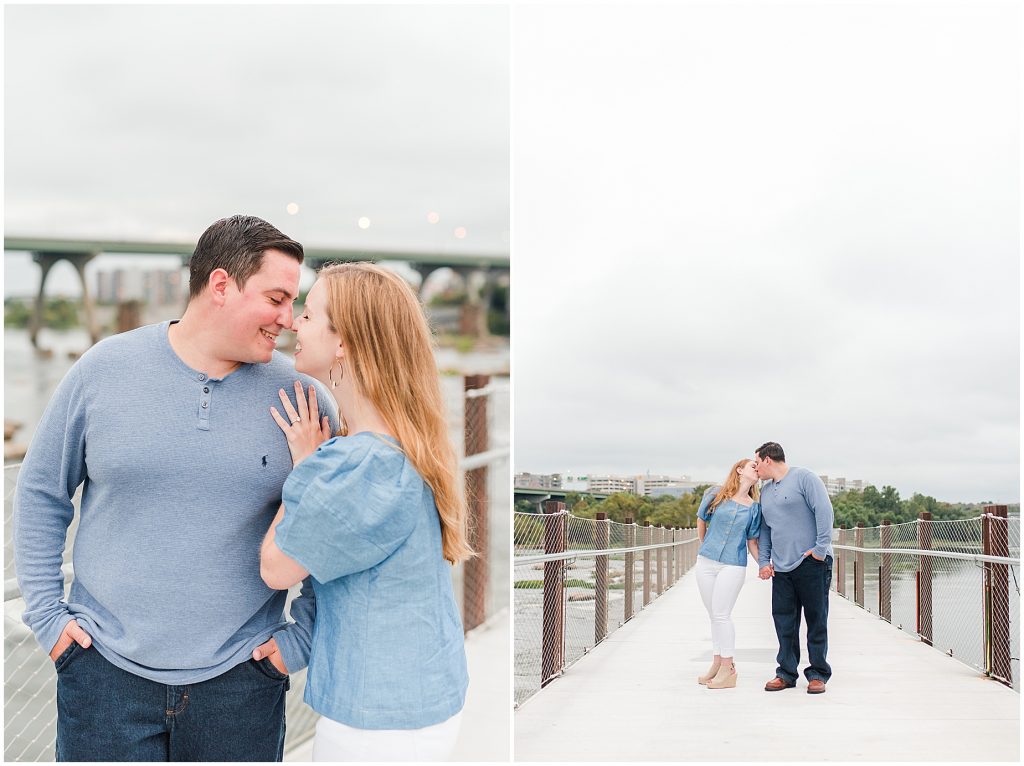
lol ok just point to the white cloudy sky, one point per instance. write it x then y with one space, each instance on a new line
741 222
150 122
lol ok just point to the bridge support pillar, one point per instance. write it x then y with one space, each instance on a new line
995 542
473 317
46 262
424 270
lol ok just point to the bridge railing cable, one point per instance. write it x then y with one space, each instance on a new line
578 580
955 585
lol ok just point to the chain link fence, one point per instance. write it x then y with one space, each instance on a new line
30 720
953 584
569 595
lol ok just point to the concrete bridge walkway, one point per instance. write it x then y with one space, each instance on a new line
891 698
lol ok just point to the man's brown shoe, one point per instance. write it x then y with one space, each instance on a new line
778 684
816 686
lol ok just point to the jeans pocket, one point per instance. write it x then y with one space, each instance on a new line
62 660
266 667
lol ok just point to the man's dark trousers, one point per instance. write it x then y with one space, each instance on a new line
805 588
105 713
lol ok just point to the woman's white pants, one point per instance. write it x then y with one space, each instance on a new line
719 586
337 742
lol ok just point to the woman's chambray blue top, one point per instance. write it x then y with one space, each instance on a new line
729 528
388 650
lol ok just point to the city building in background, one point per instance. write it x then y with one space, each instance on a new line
838 484
651 485
539 480
155 287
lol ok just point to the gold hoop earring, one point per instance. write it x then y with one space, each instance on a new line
341 377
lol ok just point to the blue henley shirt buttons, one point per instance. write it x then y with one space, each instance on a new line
202 376
205 405
206 389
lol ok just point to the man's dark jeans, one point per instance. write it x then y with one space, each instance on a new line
108 714
806 588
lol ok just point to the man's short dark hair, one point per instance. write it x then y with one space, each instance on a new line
236 244
772 450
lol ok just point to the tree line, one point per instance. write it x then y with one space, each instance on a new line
870 507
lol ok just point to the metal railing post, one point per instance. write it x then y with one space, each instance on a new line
924 578
630 542
841 563
476 569
660 560
671 557
552 648
885 573
680 563
858 566
601 580
647 563
995 542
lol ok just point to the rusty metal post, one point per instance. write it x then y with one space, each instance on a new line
659 538
601 580
630 542
679 554
885 574
670 557
680 549
553 635
858 566
924 579
647 563
476 570
995 542
841 563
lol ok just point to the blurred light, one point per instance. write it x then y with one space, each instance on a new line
364 223
292 208
433 217
460 233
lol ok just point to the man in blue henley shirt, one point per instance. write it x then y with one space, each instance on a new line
795 552
169 645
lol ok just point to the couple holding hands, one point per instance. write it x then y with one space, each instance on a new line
207 493
786 526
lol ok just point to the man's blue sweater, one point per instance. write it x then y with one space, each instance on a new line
796 517
182 477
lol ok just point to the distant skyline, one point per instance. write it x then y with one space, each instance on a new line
382 127
791 222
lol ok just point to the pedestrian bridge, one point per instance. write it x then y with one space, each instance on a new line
892 697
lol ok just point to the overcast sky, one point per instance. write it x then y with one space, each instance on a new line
736 223
150 122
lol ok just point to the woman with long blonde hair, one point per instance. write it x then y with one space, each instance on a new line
374 514
728 524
